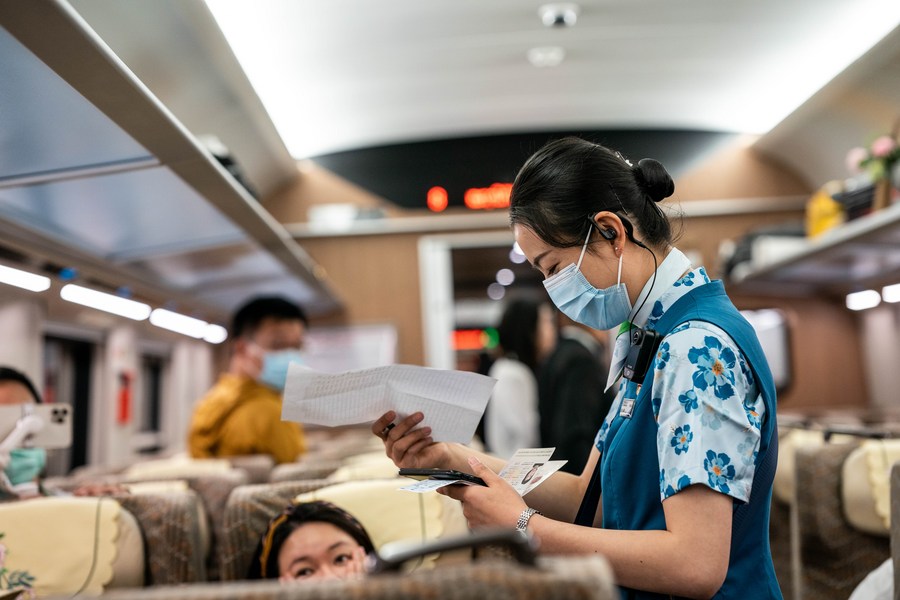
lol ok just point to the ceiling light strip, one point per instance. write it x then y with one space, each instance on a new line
24 279
110 303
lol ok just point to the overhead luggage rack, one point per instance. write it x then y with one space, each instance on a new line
862 254
97 174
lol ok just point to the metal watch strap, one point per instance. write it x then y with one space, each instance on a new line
526 515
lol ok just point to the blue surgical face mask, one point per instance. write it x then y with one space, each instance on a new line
573 294
25 464
275 367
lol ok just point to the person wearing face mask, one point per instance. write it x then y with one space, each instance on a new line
241 414
20 473
677 488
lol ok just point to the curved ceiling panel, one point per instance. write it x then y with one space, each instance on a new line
34 102
122 216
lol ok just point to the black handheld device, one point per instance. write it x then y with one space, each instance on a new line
441 474
644 343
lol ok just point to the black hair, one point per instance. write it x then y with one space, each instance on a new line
254 312
517 331
265 559
10 374
571 179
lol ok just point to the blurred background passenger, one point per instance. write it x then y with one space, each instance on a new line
312 541
526 333
241 414
22 466
572 402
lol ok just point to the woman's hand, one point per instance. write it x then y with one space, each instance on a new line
497 505
408 446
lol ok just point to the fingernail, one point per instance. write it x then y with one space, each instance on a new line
474 461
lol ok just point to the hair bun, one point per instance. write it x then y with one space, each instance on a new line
653 178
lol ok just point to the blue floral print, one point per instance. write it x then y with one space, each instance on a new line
745 370
683 482
688 401
747 450
719 469
656 313
662 356
681 439
710 418
715 366
752 416
678 476
686 281
655 403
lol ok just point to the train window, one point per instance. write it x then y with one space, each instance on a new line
148 410
771 327
151 377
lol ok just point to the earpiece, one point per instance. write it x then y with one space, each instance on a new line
610 234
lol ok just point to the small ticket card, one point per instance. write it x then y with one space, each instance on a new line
530 467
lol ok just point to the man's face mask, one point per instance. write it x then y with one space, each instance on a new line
25 464
275 367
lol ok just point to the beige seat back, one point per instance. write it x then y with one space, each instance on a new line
65 545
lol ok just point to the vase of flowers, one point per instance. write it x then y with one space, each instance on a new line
881 162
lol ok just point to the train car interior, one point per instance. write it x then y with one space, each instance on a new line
163 162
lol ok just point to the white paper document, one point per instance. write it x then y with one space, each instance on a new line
452 401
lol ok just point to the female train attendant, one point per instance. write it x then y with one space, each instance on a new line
676 491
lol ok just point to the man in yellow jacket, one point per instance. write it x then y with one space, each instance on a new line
241 414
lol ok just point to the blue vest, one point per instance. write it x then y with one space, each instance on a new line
629 465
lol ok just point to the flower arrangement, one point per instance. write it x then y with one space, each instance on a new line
14 580
877 160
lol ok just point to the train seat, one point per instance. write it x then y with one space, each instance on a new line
865 486
568 578
895 524
84 545
212 483
834 554
368 465
388 514
174 531
305 469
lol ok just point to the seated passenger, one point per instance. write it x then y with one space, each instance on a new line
20 476
241 414
24 464
312 541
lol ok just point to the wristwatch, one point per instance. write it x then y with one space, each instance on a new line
526 515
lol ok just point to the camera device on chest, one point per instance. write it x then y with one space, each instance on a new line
644 343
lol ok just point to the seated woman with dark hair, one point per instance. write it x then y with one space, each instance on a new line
312 541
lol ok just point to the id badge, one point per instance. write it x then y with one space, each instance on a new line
628 399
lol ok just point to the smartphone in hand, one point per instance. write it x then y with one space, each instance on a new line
441 474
